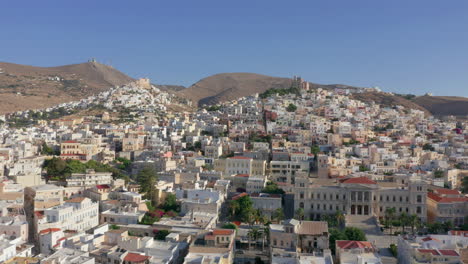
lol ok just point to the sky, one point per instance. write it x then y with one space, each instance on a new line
403 46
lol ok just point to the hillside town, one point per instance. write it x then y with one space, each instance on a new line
296 175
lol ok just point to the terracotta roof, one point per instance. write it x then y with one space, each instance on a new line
133 257
76 200
350 244
70 141
222 232
103 186
430 238
432 251
239 157
49 230
239 196
447 191
458 233
439 199
359 180
448 252
242 175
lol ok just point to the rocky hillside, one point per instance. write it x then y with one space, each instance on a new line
444 105
387 99
25 87
229 86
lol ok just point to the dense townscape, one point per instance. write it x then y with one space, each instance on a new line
300 175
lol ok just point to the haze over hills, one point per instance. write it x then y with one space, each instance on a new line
25 87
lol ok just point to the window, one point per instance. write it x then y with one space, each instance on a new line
418 209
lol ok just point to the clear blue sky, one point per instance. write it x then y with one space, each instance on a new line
406 46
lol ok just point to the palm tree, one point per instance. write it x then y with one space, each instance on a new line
299 214
234 206
254 233
340 219
278 215
389 216
252 217
413 221
265 236
404 220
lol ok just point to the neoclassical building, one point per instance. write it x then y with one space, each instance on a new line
360 196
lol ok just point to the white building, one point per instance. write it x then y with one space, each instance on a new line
78 214
90 178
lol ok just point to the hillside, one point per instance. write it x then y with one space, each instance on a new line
387 99
28 87
444 105
229 86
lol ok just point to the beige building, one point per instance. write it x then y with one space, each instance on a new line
359 196
300 236
88 179
447 205
240 165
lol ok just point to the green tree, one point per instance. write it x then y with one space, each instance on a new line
291 108
414 222
390 216
438 173
254 234
55 167
404 221
170 203
161 234
353 233
242 209
278 215
435 228
299 214
315 150
46 150
147 179
229 226
464 185
335 234
428 146
272 188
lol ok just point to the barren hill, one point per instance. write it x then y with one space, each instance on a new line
229 86
28 87
387 99
444 105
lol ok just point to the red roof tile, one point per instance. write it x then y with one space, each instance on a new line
70 141
239 196
458 233
432 251
447 191
239 157
222 232
439 199
350 244
49 230
133 257
448 252
359 180
430 238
